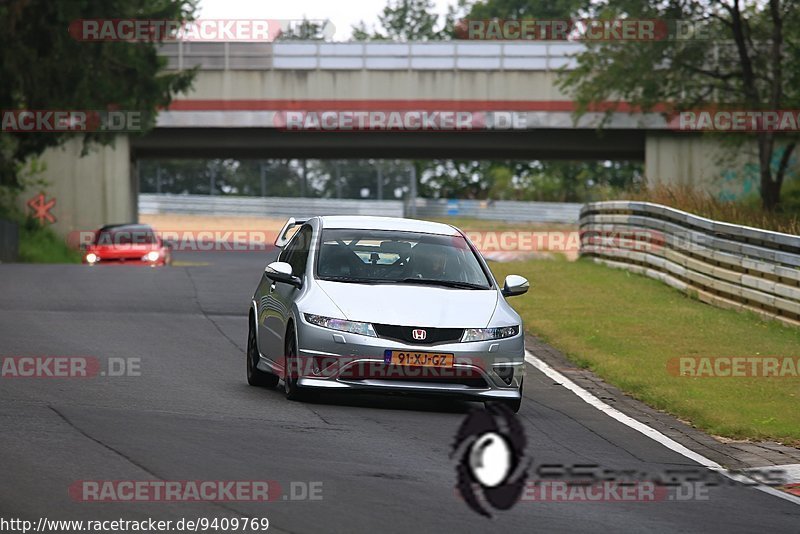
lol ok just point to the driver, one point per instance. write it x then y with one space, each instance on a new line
429 261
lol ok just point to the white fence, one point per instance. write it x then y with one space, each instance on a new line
313 55
225 206
723 264
502 210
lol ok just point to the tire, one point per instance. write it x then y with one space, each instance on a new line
255 376
292 391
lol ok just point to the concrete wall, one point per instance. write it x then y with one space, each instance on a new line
701 161
90 191
332 85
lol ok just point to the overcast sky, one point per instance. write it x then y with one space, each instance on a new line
344 14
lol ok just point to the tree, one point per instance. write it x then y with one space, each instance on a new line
307 30
404 20
44 68
753 63
527 9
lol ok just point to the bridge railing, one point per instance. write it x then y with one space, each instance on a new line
723 264
315 55
501 210
267 207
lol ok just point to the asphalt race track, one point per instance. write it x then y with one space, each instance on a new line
383 461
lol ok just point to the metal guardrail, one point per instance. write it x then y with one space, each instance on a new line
315 55
512 211
227 206
723 264
9 241
501 210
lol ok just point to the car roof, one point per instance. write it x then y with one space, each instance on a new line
364 222
128 226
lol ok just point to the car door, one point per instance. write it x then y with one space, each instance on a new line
279 297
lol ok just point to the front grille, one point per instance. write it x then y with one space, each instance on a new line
434 336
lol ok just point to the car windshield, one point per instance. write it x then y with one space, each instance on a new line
137 235
388 256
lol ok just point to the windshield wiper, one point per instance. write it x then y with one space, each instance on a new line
352 280
444 283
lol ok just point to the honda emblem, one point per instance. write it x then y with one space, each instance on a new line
419 334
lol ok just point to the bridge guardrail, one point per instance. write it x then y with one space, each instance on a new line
723 264
501 210
313 55
232 206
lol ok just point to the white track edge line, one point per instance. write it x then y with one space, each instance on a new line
642 428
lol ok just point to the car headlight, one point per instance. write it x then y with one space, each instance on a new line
485 334
91 258
354 327
151 256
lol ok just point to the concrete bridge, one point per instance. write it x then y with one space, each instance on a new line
243 92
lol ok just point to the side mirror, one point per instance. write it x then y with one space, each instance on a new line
515 285
280 271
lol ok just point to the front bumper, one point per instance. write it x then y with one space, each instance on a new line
338 361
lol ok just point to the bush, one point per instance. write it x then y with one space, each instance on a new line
39 244
747 212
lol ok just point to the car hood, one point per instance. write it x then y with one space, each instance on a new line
412 305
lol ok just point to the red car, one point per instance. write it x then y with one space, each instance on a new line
135 244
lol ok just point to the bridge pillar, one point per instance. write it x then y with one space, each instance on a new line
99 188
703 162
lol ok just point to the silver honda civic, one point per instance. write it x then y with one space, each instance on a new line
385 304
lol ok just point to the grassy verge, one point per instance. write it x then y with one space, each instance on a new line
625 328
42 245
469 224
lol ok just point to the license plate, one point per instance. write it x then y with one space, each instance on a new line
418 359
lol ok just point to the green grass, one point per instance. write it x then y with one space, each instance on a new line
625 328
42 245
478 225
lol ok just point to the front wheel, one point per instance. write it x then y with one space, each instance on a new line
255 376
290 387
